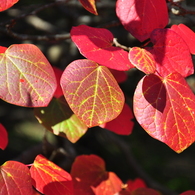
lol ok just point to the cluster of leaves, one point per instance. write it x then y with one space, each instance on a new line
87 94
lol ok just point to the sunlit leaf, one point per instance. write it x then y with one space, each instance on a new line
58 118
165 109
50 179
141 17
123 124
3 137
96 44
187 34
6 4
89 174
89 5
15 179
167 50
26 77
142 60
92 92
3 49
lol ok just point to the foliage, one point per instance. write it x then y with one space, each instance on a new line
88 94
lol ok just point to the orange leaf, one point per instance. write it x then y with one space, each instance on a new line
50 179
89 5
165 109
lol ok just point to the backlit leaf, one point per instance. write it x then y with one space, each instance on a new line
58 118
89 5
165 109
167 50
96 44
187 34
89 175
3 49
123 124
142 60
6 4
15 179
92 92
26 77
50 179
141 17
3 137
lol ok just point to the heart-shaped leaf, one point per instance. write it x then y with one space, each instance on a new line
27 78
165 109
6 4
167 54
58 118
3 137
141 17
142 60
89 5
96 44
92 92
50 179
15 179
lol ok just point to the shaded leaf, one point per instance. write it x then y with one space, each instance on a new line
6 4
50 179
15 179
165 109
123 124
89 5
135 184
167 50
141 17
189 192
96 44
120 76
142 60
3 137
27 78
58 118
92 92
187 34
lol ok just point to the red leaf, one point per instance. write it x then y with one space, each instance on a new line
27 78
58 118
168 53
58 73
145 191
88 172
120 76
141 17
3 137
15 179
142 60
6 4
189 192
50 179
96 44
123 124
92 92
89 5
3 49
187 34
110 186
133 185
165 109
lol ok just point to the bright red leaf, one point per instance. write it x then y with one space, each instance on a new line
92 92
187 34
141 17
58 118
123 124
189 192
142 60
15 179
27 78
167 50
50 179
89 5
89 173
134 184
96 44
165 109
58 73
6 4
3 137
3 49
